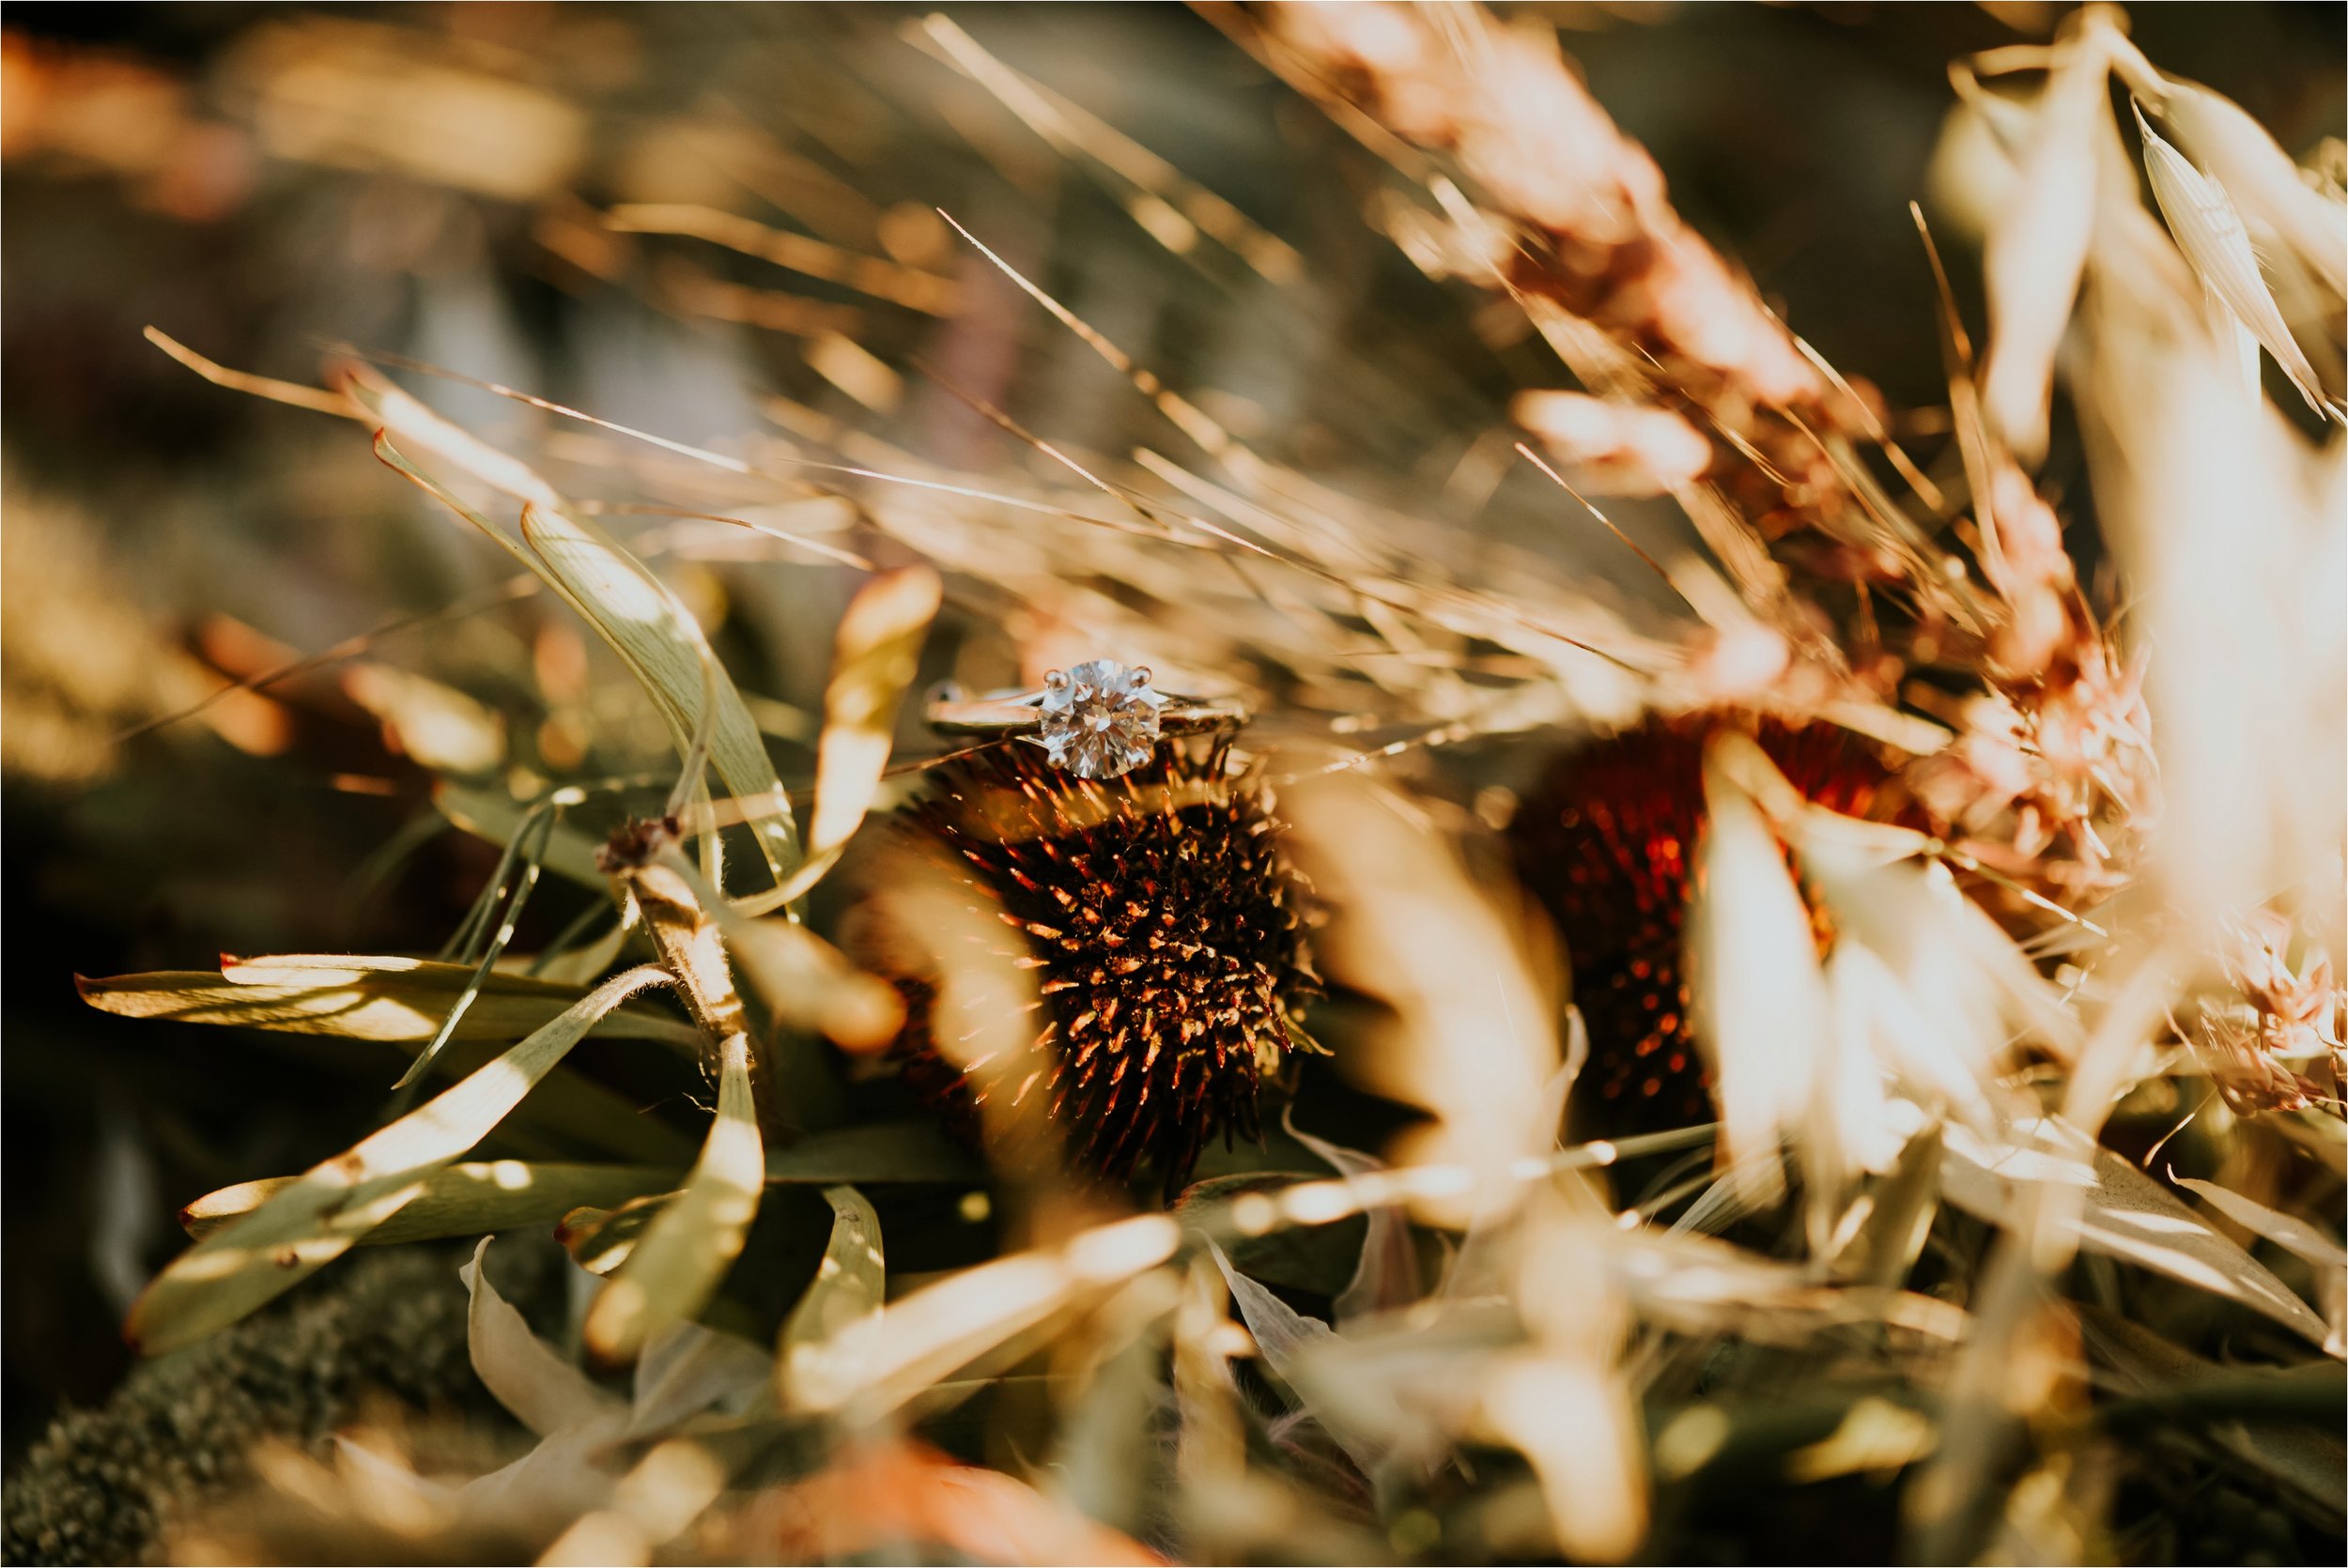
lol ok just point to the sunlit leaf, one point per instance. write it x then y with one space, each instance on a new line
361 997
1759 1001
883 1361
849 1286
2122 1213
316 1219
472 1198
874 657
599 1239
544 1391
2210 233
2321 1254
643 622
678 1265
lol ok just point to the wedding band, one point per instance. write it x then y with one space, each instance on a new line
1098 719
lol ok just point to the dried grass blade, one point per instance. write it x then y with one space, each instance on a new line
532 848
875 658
616 593
678 1265
495 816
2122 1213
2209 232
886 1360
1760 1002
313 1222
2037 251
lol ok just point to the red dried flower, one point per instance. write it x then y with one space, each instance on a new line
1605 840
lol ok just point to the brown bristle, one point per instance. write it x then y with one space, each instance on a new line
1163 928
1605 842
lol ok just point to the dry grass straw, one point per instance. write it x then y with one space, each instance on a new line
1921 1032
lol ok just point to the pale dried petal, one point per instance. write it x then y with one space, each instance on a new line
2210 233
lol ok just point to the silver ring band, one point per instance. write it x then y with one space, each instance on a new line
1009 712
1098 719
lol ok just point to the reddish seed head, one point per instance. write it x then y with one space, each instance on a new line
1605 842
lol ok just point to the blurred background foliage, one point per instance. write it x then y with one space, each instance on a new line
264 181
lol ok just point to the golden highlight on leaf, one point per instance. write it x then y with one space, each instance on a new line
308 1224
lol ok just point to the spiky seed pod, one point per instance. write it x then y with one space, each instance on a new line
102 1483
1605 842
1164 930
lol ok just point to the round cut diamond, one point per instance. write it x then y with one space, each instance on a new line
1100 719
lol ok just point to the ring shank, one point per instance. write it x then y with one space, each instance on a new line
1009 716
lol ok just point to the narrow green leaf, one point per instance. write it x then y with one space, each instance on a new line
849 1286
472 1198
663 646
495 816
628 607
599 1239
329 1207
676 1266
361 997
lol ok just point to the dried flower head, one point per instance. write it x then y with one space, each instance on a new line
1165 928
1606 840
2287 1015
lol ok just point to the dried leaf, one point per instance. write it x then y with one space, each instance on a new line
1759 1001
687 1369
2122 1213
678 1265
643 622
2322 1255
809 984
2210 233
544 1391
882 1360
1574 1424
874 657
2241 155
313 1222
2037 249
1288 1341
1472 1041
1387 1275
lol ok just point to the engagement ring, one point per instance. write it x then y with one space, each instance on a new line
1097 720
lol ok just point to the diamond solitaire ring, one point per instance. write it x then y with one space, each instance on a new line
1098 720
